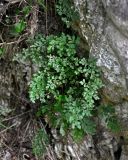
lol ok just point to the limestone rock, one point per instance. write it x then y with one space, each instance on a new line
104 24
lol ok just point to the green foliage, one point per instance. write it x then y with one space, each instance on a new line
66 11
26 10
66 85
42 4
2 51
77 135
38 86
107 113
40 142
36 51
19 27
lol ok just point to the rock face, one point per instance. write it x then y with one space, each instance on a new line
13 83
104 25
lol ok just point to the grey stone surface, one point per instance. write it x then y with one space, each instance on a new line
104 24
14 78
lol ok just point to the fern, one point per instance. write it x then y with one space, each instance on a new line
66 85
108 115
67 12
40 143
